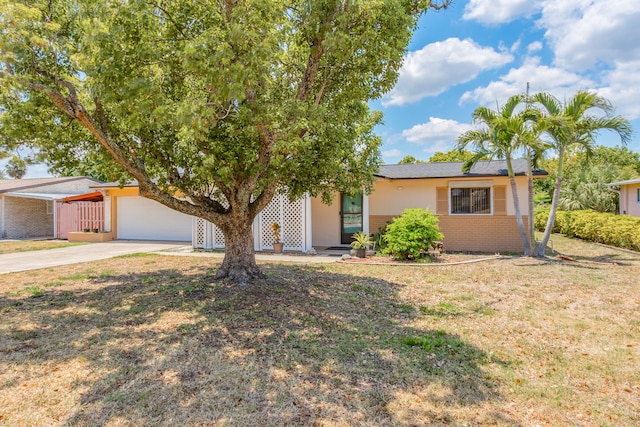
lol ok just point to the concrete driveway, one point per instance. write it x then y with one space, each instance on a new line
33 260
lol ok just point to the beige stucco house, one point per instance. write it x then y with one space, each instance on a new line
475 209
629 196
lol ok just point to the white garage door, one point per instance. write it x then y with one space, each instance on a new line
144 219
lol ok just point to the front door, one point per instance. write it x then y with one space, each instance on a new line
350 216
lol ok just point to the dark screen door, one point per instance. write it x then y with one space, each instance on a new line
350 216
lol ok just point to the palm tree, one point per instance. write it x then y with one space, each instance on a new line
504 132
569 126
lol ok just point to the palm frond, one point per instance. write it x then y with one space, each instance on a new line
512 104
549 102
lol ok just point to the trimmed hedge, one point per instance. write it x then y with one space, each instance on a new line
622 231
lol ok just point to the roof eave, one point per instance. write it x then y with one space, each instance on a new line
470 175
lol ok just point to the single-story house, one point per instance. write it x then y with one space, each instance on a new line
27 206
629 196
475 210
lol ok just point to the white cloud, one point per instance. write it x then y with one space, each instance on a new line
436 67
584 33
534 47
499 11
581 33
556 81
393 153
437 134
623 89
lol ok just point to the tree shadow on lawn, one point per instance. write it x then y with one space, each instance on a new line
304 346
584 251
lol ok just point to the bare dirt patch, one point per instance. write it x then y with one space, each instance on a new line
153 340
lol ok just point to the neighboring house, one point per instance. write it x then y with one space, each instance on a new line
629 196
475 209
27 206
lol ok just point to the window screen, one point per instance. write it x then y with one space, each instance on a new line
471 200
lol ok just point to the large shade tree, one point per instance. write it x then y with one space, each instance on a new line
502 134
572 125
213 106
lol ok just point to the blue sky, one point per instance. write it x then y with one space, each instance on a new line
480 52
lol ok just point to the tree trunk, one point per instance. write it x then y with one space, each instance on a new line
531 227
239 264
521 229
554 207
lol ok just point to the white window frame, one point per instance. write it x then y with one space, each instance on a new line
471 184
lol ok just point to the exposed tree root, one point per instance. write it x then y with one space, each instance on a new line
241 273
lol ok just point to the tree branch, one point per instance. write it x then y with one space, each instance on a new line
100 117
170 18
263 199
134 166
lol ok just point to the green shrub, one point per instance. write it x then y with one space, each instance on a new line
411 234
379 239
616 230
540 217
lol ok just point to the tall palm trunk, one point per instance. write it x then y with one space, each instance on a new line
516 205
554 207
531 228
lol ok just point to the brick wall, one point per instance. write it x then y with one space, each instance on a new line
492 233
26 218
377 221
1 216
473 233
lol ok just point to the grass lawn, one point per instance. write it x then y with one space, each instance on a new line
153 341
11 246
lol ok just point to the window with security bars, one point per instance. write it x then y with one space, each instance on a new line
471 200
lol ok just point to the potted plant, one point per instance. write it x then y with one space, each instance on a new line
277 245
361 241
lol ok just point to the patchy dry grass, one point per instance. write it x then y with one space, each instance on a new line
155 341
10 246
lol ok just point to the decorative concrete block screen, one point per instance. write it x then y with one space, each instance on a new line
290 216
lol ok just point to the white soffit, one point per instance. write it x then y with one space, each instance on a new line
40 196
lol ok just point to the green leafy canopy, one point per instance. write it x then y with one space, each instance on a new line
198 93
213 106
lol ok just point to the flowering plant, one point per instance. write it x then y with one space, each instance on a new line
275 229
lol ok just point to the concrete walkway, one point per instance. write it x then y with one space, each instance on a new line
33 260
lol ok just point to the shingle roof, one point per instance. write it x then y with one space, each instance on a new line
453 170
22 184
132 183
